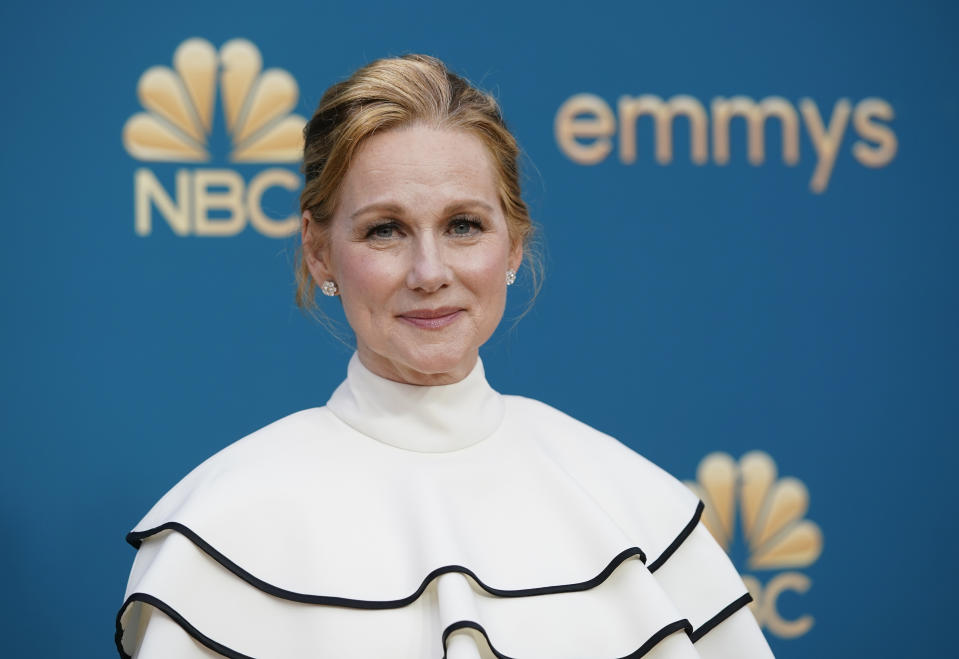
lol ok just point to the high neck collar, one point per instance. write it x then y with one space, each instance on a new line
427 419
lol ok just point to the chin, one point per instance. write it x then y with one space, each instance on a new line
440 360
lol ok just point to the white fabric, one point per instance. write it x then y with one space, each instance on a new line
161 637
425 419
364 499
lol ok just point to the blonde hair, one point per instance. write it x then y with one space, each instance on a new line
390 93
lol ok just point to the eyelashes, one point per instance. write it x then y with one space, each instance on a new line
470 223
461 226
382 230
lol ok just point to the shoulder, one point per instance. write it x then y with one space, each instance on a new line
287 432
256 463
562 434
535 414
280 440
626 482
538 413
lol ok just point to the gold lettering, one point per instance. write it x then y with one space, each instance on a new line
886 142
266 225
230 200
825 140
571 125
585 124
630 109
796 582
148 189
755 114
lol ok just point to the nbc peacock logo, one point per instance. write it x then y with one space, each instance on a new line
179 124
775 536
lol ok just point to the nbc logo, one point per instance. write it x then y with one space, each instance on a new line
177 127
775 535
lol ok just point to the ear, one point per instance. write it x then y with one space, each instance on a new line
315 250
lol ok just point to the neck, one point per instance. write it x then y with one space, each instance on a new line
399 372
426 419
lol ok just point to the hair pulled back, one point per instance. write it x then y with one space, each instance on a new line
391 93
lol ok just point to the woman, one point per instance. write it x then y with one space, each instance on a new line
420 513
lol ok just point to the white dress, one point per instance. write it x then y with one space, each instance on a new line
409 522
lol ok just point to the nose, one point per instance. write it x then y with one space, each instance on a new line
428 270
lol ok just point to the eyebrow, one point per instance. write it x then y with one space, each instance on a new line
391 207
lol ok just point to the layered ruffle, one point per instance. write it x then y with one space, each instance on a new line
545 539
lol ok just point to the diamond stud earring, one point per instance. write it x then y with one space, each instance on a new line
329 288
510 277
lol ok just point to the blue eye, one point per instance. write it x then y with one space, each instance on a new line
464 226
382 231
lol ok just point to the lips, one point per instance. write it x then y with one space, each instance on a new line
431 318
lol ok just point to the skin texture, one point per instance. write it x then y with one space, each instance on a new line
418 247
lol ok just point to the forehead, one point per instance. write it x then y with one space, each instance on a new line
419 165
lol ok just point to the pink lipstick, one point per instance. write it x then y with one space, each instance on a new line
431 318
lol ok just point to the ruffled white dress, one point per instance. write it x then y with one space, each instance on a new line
411 522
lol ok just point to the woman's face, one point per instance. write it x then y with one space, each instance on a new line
419 249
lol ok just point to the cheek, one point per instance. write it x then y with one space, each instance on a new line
366 280
487 274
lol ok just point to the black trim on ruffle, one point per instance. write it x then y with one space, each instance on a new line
136 538
331 600
160 605
649 644
661 635
469 624
679 540
713 622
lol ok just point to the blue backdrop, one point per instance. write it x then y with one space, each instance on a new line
689 307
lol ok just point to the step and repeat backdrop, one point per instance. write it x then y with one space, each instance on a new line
747 214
